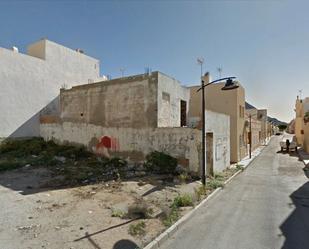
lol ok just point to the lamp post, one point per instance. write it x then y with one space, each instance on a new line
229 85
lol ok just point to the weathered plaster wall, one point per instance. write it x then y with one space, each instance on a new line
131 144
170 93
30 82
124 102
219 125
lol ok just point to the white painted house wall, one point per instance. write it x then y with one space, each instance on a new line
219 125
30 82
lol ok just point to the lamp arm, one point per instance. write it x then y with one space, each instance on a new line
226 78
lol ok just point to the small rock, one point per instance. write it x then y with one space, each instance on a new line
60 158
27 165
81 228
57 228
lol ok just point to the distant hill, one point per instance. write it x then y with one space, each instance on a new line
249 106
276 121
270 119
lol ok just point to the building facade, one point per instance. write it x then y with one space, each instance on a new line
231 103
30 83
132 116
302 122
128 117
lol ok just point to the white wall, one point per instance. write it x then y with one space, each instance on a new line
219 125
131 144
169 108
29 83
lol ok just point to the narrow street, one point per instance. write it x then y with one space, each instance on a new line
265 207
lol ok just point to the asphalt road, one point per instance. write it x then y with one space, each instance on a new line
265 207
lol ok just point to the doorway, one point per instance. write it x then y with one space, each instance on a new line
209 153
183 113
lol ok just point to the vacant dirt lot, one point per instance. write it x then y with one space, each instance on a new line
36 217
59 196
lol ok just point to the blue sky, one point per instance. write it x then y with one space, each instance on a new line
264 43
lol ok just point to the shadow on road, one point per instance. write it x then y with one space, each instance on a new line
295 228
125 244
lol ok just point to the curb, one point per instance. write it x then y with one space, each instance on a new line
158 241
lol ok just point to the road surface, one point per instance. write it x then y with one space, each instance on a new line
265 207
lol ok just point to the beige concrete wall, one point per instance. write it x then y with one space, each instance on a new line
131 144
306 137
299 120
141 101
256 128
124 102
231 103
262 116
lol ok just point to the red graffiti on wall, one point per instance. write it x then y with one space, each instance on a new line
107 144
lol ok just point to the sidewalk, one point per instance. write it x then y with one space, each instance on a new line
169 233
246 161
304 156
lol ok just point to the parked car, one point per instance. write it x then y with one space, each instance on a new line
292 143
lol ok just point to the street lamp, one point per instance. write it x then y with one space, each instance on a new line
230 84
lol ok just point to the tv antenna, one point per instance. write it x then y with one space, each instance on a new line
200 61
219 69
122 69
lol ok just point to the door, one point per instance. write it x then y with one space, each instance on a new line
209 153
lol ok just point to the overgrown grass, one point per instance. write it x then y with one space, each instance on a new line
183 201
117 213
171 218
214 183
76 164
184 177
137 229
160 163
240 167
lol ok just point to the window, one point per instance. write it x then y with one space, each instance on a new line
241 111
166 96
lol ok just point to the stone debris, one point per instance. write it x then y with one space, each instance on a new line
60 158
26 228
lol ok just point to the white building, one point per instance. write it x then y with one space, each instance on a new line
30 83
217 127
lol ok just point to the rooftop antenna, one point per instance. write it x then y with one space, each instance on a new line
147 70
219 69
200 61
300 92
122 69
